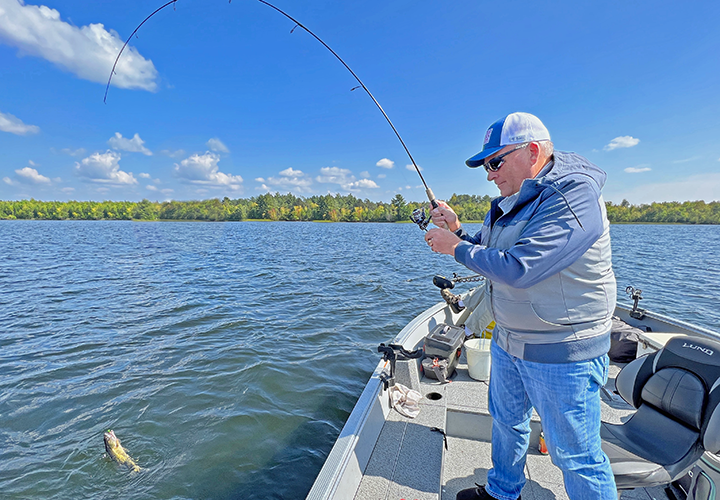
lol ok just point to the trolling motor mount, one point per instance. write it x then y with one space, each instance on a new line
442 282
454 301
445 285
636 296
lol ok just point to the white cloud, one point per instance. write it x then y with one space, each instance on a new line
203 169
289 179
68 151
173 154
335 175
624 141
692 188
290 172
644 167
68 190
362 184
154 189
104 168
688 160
12 124
134 145
88 51
32 176
144 175
385 163
365 174
8 180
411 167
343 177
216 145
381 176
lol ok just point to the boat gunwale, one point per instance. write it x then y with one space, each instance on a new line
328 482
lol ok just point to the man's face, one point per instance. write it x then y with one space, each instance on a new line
516 168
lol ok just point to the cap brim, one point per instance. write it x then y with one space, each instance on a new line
479 158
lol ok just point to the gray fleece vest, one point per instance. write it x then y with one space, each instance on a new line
566 317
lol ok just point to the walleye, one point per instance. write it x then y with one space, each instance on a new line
117 452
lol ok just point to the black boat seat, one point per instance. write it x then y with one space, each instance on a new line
676 392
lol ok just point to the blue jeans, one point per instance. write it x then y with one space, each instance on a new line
567 398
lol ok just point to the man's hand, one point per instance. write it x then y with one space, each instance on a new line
442 241
444 216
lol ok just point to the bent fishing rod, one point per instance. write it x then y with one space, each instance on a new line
417 216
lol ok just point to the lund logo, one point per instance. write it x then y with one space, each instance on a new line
707 351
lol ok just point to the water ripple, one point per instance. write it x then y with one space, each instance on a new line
227 356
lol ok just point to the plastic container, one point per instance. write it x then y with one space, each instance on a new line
478 358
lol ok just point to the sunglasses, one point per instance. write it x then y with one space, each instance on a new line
497 162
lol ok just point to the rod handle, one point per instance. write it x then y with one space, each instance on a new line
431 197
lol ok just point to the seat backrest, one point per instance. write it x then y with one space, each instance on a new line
682 381
677 393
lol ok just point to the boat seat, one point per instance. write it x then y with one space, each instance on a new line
676 392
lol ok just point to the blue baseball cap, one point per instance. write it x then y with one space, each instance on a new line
515 128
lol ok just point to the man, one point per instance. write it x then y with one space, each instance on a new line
545 250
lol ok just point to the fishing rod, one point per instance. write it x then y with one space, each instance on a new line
418 216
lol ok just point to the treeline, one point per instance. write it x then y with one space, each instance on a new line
286 207
335 208
689 212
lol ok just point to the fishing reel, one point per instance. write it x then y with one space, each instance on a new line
445 285
421 218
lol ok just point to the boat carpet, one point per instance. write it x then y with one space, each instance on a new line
409 460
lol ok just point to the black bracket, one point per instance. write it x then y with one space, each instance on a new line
636 296
392 353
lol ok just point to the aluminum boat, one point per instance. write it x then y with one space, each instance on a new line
381 454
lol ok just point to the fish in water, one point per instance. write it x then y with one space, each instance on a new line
117 452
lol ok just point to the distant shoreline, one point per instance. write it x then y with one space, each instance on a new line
619 223
326 208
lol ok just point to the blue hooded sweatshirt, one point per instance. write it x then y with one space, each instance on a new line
548 264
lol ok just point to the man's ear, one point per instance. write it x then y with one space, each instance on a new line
535 151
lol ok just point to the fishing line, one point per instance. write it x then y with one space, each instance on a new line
298 24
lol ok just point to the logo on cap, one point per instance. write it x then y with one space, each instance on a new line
487 136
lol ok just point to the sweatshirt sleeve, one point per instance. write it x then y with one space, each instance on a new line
465 236
551 240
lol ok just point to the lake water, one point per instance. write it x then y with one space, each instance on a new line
227 356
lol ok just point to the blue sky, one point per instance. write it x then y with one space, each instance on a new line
217 99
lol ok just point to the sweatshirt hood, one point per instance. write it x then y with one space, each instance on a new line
567 164
566 169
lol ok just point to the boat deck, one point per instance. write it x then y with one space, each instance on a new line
410 461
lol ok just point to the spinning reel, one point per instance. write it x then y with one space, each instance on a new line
421 218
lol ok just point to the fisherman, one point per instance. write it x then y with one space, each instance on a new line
545 250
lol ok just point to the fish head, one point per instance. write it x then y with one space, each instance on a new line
111 441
